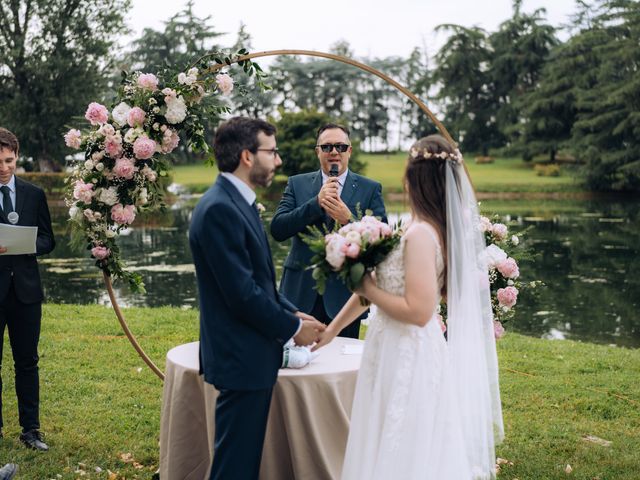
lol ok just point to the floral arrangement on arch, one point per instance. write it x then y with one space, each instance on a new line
124 149
502 253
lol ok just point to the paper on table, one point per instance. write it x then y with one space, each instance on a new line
355 349
18 240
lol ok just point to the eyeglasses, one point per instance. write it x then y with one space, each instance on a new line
328 147
273 151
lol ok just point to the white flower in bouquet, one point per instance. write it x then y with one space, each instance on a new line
494 255
120 114
499 230
176 109
335 249
108 196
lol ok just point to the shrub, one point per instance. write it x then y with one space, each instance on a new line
548 170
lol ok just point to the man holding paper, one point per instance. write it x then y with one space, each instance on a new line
21 295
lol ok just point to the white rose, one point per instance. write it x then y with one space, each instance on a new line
110 233
73 212
120 113
88 165
515 240
176 109
353 237
335 255
108 196
131 135
494 255
100 166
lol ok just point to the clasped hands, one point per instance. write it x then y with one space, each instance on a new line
310 330
330 201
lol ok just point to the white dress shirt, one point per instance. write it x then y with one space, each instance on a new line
12 193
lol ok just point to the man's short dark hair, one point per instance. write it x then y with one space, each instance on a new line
331 126
8 140
234 136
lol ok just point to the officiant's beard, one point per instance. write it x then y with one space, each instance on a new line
261 175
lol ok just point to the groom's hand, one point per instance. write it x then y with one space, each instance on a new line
310 330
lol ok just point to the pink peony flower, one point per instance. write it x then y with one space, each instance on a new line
170 140
100 253
144 147
124 168
135 117
73 138
123 215
498 330
499 231
225 83
509 268
351 250
97 114
113 146
385 230
335 255
83 191
508 296
148 81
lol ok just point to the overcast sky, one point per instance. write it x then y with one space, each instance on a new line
373 28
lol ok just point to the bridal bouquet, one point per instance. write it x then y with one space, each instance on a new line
350 252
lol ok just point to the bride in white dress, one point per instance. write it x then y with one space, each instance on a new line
425 407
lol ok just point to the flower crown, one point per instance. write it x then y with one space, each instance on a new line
454 157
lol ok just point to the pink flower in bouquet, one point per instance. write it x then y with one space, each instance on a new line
351 250
334 252
97 114
73 138
123 215
498 330
136 117
225 83
499 231
509 268
100 253
353 237
385 230
485 224
124 168
371 232
508 296
83 191
170 140
144 147
113 146
148 81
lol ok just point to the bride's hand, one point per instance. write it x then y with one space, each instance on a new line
324 338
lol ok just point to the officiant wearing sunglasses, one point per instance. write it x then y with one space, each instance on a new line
326 198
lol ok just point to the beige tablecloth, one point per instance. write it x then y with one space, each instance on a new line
308 421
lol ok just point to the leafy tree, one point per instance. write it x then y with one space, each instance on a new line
462 75
520 49
55 56
418 79
606 133
297 141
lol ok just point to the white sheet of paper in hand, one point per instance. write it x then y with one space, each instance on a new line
352 349
18 240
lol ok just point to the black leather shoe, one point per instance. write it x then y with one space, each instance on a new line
33 439
8 471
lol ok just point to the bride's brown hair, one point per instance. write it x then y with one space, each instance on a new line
425 183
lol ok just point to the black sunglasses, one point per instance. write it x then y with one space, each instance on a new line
328 147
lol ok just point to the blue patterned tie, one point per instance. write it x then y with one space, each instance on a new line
7 206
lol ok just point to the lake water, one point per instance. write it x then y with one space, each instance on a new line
587 257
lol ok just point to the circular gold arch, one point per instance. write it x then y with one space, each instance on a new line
270 53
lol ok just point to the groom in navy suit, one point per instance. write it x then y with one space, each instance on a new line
325 198
244 321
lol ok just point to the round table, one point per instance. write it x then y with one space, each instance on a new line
308 421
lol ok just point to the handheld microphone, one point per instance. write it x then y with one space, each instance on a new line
13 217
333 171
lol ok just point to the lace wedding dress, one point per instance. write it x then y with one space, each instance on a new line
403 422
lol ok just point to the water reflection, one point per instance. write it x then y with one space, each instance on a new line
587 255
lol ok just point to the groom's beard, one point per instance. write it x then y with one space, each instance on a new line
261 175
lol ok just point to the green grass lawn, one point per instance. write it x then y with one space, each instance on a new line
504 175
100 402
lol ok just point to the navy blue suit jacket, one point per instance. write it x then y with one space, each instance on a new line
244 322
298 210
31 206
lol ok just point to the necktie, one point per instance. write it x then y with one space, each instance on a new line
7 206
